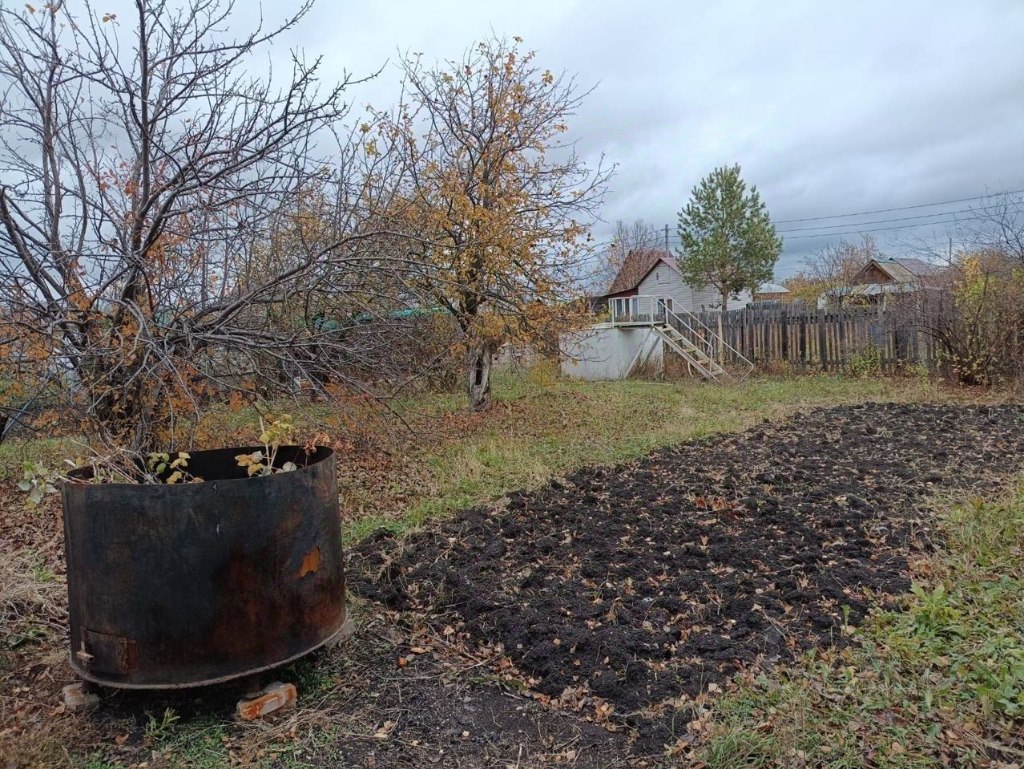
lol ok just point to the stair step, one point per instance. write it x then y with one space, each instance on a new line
684 342
704 363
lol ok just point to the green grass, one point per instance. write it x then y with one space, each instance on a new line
196 745
563 425
939 683
49 451
542 426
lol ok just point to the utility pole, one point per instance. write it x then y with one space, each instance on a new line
666 240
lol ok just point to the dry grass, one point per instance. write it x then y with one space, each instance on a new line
33 600
33 618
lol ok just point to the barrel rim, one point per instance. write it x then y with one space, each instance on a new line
76 482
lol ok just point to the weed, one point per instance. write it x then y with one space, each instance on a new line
313 675
43 574
737 748
199 744
158 730
932 613
866 362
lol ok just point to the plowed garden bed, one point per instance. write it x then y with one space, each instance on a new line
639 586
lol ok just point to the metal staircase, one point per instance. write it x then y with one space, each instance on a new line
684 333
702 348
695 357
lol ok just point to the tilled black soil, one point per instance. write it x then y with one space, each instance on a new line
644 583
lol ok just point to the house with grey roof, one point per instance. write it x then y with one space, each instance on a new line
882 278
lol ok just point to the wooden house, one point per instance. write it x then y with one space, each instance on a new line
651 315
654 273
881 278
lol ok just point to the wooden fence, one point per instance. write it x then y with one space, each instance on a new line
828 340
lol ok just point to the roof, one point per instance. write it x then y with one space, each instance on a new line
877 289
905 269
637 266
403 314
919 267
772 288
872 289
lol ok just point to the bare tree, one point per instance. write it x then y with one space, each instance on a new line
834 269
974 310
638 235
997 224
171 222
976 318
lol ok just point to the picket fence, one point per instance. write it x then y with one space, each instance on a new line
828 340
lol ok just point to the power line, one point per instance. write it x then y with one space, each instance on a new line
877 221
888 210
858 232
859 225
876 229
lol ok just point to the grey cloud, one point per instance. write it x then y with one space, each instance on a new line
829 107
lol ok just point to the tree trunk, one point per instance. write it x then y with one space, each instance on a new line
122 400
480 377
721 329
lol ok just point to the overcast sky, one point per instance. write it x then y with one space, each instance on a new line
830 108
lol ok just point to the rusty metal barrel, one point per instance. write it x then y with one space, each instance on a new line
190 584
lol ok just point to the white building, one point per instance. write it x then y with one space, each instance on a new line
651 309
655 273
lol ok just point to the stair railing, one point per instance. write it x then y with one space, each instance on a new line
641 310
705 338
649 310
694 357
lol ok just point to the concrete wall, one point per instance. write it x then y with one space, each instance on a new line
606 352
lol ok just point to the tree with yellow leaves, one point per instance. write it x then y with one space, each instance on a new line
496 200
983 336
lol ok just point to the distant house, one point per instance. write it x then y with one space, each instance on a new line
882 278
649 317
901 271
654 273
771 292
